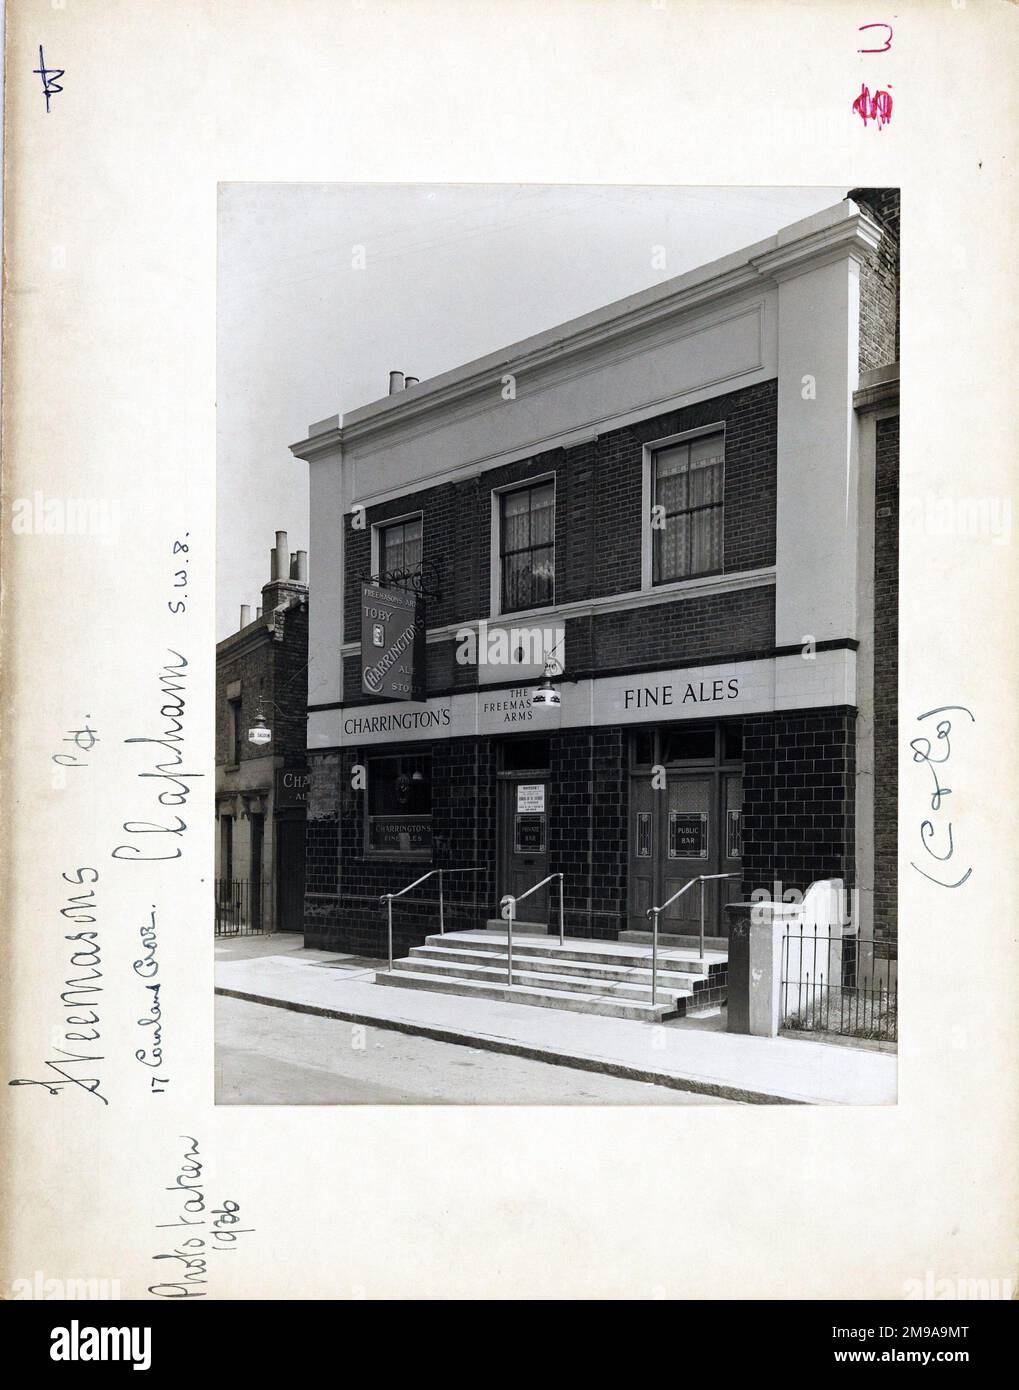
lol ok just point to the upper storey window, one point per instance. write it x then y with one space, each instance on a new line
687 482
400 547
527 547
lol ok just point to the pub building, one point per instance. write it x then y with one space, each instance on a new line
642 572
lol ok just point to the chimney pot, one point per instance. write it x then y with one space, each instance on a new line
258 612
245 614
395 382
410 381
302 566
278 557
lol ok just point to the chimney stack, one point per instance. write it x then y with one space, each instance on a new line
245 614
289 576
395 382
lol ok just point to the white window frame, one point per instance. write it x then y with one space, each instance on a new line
647 570
379 526
495 549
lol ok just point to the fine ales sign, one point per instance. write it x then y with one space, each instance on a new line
392 643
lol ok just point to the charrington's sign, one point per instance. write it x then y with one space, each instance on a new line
392 643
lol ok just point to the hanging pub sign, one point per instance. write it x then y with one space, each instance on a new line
392 643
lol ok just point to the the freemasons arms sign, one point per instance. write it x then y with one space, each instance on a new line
392 643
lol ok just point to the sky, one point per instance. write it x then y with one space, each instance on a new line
323 289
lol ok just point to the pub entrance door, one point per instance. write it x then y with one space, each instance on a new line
523 827
685 820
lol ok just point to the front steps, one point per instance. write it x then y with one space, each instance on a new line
596 977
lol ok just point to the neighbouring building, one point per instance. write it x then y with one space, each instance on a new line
683 503
261 788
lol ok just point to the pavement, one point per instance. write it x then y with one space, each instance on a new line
271 1056
686 1055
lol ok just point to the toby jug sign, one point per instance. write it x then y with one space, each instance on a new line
392 643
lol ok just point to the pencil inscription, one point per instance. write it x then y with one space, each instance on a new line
50 86
80 1024
937 840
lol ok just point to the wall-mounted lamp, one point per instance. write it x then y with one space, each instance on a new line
545 692
260 731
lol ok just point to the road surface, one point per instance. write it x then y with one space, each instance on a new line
271 1056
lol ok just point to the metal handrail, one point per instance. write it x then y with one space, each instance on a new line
387 898
653 913
509 906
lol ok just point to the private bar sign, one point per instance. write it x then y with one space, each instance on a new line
392 643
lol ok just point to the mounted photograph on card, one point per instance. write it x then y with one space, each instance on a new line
562 720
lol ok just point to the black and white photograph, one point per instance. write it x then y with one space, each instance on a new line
555 734
507 606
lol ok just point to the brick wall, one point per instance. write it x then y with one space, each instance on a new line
886 673
586 835
750 417
799 811
879 281
686 631
342 908
598 545
278 671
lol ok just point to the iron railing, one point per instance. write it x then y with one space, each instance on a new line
655 912
243 907
839 984
508 905
388 899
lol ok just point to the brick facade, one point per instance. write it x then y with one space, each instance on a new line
879 281
273 670
598 520
587 840
264 665
798 766
886 677
799 810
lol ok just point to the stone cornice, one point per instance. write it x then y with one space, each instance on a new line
879 389
840 232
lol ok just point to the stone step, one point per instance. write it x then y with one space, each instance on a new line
526 974
602 952
521 994
690 941
585 966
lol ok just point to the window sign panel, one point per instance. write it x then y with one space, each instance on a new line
643 834
529 833
400 804
688 835
400 834
531 796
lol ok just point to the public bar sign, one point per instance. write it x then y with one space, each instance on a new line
392 643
